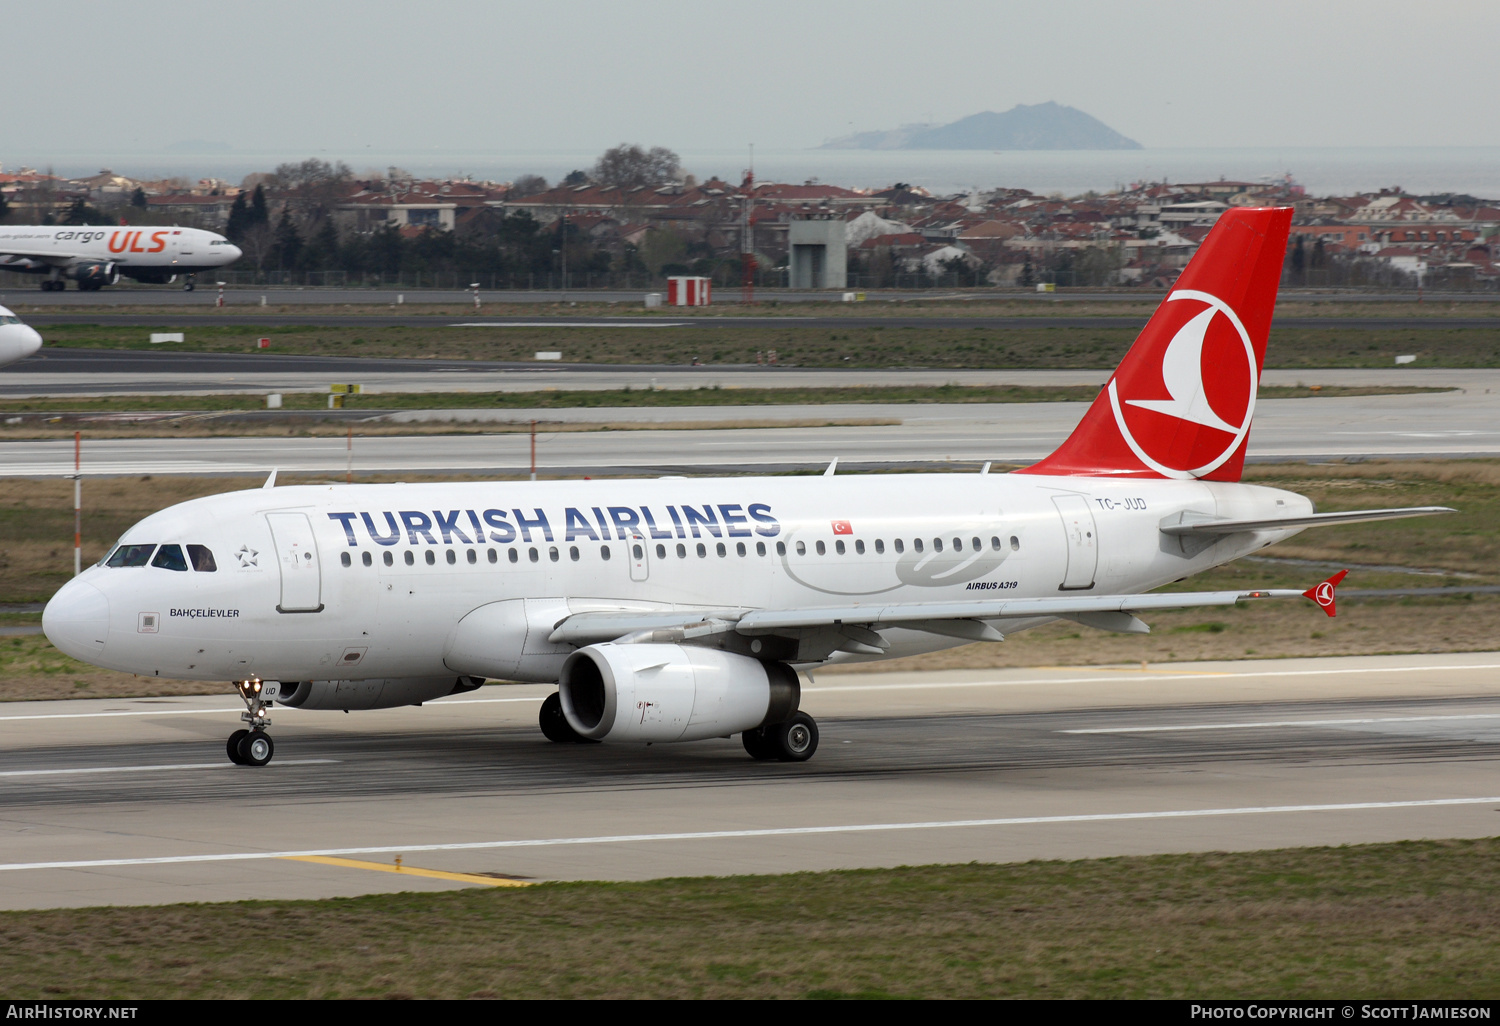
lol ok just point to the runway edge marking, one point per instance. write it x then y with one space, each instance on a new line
712 835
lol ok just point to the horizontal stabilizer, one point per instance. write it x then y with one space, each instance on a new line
1188 526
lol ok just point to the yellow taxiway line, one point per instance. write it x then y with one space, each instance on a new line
431 874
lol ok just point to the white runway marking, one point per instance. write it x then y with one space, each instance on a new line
570 324
155 769
228 709
714 835
1282 723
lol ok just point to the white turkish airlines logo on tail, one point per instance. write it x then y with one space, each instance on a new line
1182 373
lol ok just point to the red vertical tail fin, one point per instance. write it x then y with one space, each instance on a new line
1180 403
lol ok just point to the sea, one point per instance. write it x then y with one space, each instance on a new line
1322 171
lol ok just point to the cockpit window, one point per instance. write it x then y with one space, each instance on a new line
202 559
169 557
131 555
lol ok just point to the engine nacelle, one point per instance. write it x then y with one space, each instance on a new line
372 694
96 275
654 693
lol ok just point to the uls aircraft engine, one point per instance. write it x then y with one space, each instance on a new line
371 694
95 276
672 692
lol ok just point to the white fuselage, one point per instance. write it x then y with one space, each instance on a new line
350 582
17 340
145 248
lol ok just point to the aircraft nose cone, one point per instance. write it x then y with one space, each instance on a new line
76 621
31 342
234 252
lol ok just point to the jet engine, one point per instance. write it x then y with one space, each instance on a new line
372 694
649 693
95 276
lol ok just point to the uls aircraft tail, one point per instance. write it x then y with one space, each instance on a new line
1180 403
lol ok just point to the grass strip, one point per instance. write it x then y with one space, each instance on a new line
861 345
1411 920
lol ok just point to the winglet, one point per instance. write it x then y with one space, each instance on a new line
271 481
1322 593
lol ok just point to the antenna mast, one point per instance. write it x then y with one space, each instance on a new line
747 228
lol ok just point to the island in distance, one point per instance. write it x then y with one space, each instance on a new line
1039 126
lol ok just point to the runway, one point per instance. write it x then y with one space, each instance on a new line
865 436
84 372
206 295
190 317
132 801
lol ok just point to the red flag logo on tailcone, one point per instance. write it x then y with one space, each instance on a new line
842 527
1322 593
1181 402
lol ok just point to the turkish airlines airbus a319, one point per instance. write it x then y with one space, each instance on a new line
98 256
681 609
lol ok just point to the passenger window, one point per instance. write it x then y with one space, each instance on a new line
838 546
552 553
364 558
344 559
721 550
636 552
661 552
452 557
532 555
879 547
995 542
473 557
681 551
701 550
202 559
739 548
604 553
169 557
131 555
916 544
493 556
1015 544
781 548
573 553
431 557
801 548
937 545
859 547
514 556
410 559
822 549
760 548
900 546
386 557
977 545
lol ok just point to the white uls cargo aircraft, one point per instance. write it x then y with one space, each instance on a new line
97 256
680 609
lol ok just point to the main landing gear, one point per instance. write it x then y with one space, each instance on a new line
188 283
793 741
53 285
252 747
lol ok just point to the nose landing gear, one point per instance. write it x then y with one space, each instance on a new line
253 747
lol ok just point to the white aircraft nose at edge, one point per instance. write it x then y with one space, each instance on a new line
681 609
18 340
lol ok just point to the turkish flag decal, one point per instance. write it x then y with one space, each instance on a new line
842 527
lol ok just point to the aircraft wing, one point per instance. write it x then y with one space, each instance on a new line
974 619
1191 523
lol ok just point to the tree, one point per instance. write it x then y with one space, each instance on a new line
288 243
81 213
4 206
528 185
575 178
1299 262
258 213
138 198
239 220
311 188
627 166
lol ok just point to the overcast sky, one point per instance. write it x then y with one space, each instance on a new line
380 77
